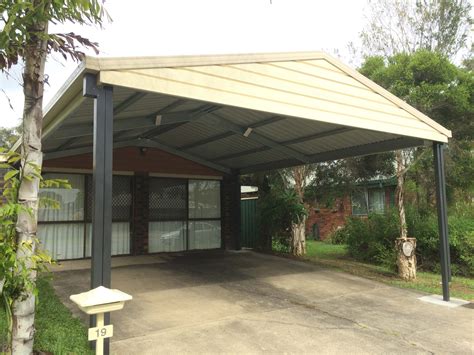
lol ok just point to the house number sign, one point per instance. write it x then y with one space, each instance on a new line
96 333
407 248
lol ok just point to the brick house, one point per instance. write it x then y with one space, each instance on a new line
375 196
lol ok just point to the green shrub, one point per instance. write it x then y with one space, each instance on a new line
280 245
339 236
372 239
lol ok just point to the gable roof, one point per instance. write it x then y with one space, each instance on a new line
323 109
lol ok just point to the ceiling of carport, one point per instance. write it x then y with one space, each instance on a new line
206 129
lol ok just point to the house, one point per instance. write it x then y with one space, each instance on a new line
373 196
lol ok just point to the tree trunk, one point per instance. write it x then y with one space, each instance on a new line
33 87
406 262
298 238
406 258
298 230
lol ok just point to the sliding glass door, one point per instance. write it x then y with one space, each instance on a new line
167 215
184 215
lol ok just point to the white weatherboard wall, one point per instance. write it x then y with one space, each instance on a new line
314 89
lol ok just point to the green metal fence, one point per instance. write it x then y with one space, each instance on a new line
248 223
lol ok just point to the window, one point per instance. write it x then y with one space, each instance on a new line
359 202
66 232
204 214
184 215
61 230
365 201
167 229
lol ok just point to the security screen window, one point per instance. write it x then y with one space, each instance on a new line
204 214
121 213
65 232
184 215
167 230
61 230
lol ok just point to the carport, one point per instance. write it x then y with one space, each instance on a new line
233 114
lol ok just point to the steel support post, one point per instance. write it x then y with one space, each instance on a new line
441 203
102 186
237 211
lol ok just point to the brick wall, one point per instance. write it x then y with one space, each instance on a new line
329 219
150 160
140 213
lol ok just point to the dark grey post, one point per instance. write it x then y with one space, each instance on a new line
441 203
102 186
236 225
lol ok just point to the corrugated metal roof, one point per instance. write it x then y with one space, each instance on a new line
259 110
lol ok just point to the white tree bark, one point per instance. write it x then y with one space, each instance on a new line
298 230
33 87
298 238
406 263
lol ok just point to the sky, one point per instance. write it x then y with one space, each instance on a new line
180 27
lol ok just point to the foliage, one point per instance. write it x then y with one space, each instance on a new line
8 136
58 332
278 209
16 280
339 236
20 27
372 239
400 26
444 92
281 245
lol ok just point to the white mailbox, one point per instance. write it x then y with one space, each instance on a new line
98 301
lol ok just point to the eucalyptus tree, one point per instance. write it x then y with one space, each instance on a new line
25 39
404 26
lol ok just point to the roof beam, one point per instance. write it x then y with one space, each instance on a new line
365 149
87 129
256 137
119 125
207 140
176 119
311 137
129 102
54 154
288 142
217 137
153 143
149 143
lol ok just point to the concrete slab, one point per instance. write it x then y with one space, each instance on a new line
438 299
223 302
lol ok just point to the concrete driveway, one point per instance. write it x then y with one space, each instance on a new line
244 302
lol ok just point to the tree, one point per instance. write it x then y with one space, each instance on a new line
404 26
444 92
298 178
25 39
8 136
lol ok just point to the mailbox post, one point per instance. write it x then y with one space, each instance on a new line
98 301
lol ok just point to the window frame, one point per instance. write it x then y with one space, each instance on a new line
366 192
85 221
188 219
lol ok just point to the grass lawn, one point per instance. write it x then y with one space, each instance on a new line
57 331
336 256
